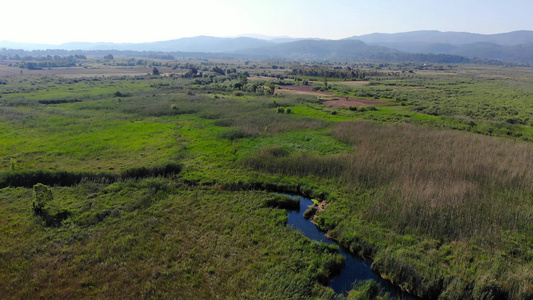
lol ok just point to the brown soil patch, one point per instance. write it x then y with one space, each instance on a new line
267 78
321 206
347 102
352 83
435 73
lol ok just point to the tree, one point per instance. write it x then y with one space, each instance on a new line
155 71
271 88
41 200
243 80
109 57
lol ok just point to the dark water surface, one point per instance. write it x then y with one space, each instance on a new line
356 269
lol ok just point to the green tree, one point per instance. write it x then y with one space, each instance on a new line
271 89
243 80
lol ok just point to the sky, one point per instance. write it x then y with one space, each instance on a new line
133 21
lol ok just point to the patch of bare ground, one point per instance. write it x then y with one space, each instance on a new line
352 83
435 73
267 78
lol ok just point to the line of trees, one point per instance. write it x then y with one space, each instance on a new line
346 73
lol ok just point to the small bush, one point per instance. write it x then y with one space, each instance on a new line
144 172
275 151
310 212
224 122
284 202
41 206
234 134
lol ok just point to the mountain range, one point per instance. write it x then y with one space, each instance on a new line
516 47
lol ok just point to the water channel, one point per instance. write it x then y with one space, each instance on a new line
355 270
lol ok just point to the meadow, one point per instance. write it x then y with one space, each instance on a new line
167 183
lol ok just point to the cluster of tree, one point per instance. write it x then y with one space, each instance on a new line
37 65
370 56
17 57
164 56
116 53
339 72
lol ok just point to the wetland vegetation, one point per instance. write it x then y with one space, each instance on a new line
162 185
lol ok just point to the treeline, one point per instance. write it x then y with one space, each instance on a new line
6 53
41 57
47 64
344 73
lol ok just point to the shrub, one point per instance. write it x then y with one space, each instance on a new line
144 172
42 196
62 178
310 212
284 202
234 134
41 206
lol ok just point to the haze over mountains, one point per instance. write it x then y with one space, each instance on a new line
516 47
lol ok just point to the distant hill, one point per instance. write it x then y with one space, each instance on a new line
343 50
318 49
453 38
427 46
206 44
514 46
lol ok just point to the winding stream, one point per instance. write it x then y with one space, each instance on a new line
356 269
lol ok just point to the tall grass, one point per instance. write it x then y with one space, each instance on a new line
443 183
446 184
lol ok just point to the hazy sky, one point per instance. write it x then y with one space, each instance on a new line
59 21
